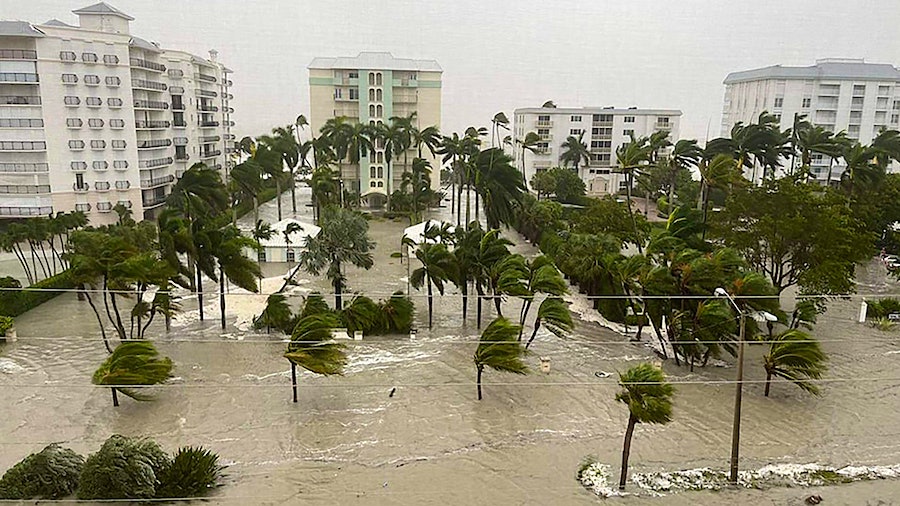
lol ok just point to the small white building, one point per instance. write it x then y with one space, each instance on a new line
416 234
283 247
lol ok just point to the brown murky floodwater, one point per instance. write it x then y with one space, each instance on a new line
348 442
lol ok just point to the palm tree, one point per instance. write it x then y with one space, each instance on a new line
862 169
428 137
499 349
313 349
685 154
499 184
438 266
270 158
325 189
343 239
246 181
553 312
631 157
574 151
132 364
262 231
529 143
492 251
452 150
337 132
361 142
227 245
721 172
540 276
393 139
649 400
795 356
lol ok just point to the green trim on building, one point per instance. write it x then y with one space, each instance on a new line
321 81
429 84
366 162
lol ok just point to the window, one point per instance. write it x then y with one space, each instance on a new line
544 118
378 79
881 103
379 111
603 118
628 133
100 165
629 119
261 255
602 132
380 172
74 122
79 182
98 144
576 131
372 172
101 185
117 123
21 123
777 116
371 184
378 95
123 185
575 119
859 90
779 102
601 144
110 59
93 101
380 184
78 165
114 102
353 74
884 90
76 144
72 100
807 102
371 79
895 118
67 56
83 207
337 93
124 203
69 78
91 80
371 94
120 164
89 57
354 94
291 256
95 123
543 132
371 111
104 206
663 120
118 144
113 81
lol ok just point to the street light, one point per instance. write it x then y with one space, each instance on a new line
736 425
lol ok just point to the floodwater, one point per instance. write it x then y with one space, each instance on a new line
348 442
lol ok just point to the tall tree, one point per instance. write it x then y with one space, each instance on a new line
528 143
631 157
499 185
574 152
499 349
133 364
795 356
313 349
438 267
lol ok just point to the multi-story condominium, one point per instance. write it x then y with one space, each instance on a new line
604 129
837 94
372 88
92 116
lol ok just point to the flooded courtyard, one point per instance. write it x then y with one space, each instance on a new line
348 441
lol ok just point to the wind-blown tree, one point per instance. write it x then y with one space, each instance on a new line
721 172
631 157
488 267
649 400
528 143
325 189
862 172
554 314
438 267
574 152
337 132
500 350
564 184
313 348
466 242
344 239
226 246
795 356
133 364
455 151
394 140
246 182
540 276
499 185
685 154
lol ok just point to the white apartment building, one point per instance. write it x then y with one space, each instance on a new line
604 129
92 116
838 94
374 87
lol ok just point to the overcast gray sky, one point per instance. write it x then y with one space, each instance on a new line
499 55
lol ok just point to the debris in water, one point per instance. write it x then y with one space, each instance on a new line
392 392
602 374
814 499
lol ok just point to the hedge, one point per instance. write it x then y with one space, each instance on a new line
16 302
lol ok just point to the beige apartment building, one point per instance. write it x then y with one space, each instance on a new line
373 87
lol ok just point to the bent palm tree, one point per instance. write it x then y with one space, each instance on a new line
311 349
438 266
554 313
574 151
500 350
132 364
795 356
649 400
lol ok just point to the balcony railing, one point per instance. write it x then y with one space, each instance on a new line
664 126
210 138
20 100
154 143
177 106
154 201
209 124
81 188
208 78
229 83
24 167
179 124
148 85
17 211
18 54
150 125
211 154
156 162
149 65
157 181
208 108
207 93
543 123
18 77
182 156
150 104
24 189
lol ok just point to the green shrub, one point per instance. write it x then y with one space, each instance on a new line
123 468
398 313
361 314
51 473
17 302
6 323
882 308
191 473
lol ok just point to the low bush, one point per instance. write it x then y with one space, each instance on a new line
193 472
51 473
17 302
6 323
882 308
123 468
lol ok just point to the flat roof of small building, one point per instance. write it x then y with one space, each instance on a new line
375 60
598 110
828 68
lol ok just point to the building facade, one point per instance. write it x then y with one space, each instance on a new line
373 87
92 116
604 129
847 95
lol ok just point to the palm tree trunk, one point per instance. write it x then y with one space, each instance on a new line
222 295
537 325
278 196
294 380
115 398
465 300
468 200
24 261
99 321
293 194
768 382
497 301
478 380
200 292
526 306
626 450
480 294
337 292
830 164
671 194
637 240
255 209
430 303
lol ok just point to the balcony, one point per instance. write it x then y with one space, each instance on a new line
182 157
24 189
176 90
24 168
150 104
543 123
664 126
179 124
101 186
146 184
546 137
207 93
209 124
18 54
210 154
143 84
151 125
207 108
154 144
155 201
18 77
210 138
104 207
229 83
149 65
81 188
156 162
177 106
207 78
21 212
20 100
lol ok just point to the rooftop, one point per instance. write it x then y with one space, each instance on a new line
58 23
367 60
19 29
102 8
597 110
828 68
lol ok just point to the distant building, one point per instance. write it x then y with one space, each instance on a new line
837 94
604 128
371 88
92 116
